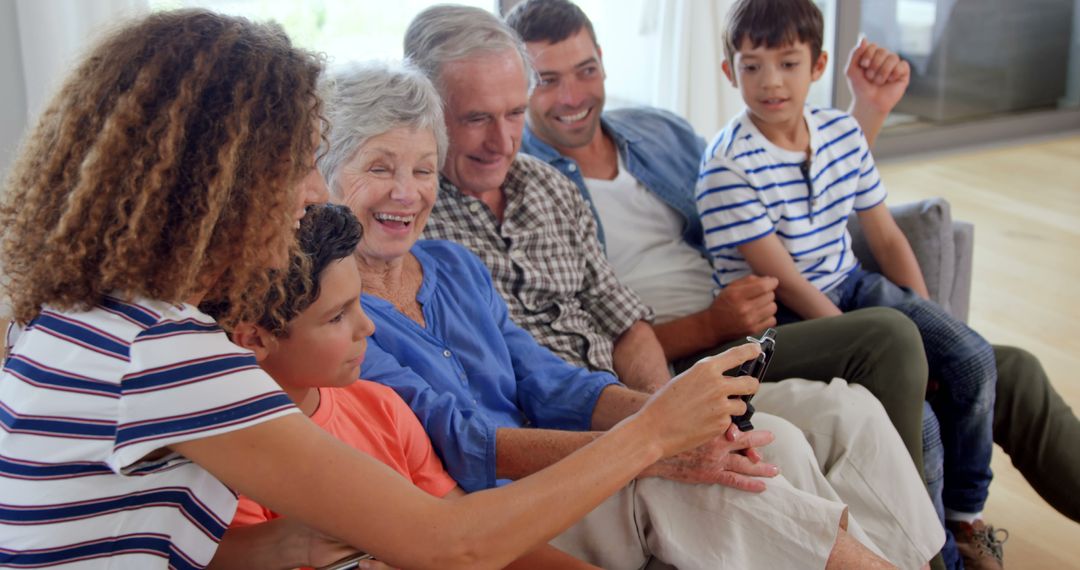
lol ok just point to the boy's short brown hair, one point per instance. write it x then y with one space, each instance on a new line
773 23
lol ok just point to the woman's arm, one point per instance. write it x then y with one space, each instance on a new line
544 556
891 249
767 256
295 468
284 543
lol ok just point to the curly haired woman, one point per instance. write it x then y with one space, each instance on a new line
169 171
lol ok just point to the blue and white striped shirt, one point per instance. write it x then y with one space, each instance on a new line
85 399
749 188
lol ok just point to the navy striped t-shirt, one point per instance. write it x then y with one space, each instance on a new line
749 188
88 401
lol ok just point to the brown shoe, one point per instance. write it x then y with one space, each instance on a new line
979 544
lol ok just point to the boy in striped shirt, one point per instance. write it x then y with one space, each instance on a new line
774 193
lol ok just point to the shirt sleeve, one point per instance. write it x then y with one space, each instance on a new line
870 191
613 306
731 213
181 387
553 393
463 437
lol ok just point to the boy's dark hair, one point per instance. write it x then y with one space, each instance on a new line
550 21
773 23
328 232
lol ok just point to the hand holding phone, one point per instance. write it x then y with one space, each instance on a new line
755 368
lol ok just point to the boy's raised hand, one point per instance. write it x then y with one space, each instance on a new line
877 76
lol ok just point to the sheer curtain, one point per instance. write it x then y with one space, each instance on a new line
53 33
690 50
46 38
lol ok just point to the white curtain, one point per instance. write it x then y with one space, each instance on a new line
43 39
54 33
689 80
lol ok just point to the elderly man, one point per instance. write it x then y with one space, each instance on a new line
659 153
531 227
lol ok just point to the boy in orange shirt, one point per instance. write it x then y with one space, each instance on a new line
315 357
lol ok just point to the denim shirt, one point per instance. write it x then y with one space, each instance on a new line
659 148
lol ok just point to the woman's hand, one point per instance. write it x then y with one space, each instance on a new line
696 406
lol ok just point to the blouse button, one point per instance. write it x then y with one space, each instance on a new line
446 353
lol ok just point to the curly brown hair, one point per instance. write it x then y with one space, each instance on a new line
166 166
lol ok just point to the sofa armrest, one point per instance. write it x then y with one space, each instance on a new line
942 247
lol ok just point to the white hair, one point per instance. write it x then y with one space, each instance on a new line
445 33
365 100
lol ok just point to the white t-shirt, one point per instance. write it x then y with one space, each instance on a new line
84 398
645 246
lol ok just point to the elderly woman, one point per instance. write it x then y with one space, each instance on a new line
444 341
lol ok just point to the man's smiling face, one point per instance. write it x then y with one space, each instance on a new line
485 98
565 106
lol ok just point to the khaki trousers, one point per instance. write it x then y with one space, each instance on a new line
840 445
706 527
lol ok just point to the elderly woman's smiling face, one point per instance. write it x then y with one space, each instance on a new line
390 184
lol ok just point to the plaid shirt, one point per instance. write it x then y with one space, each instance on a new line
545 260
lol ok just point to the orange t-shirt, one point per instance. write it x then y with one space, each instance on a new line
373 419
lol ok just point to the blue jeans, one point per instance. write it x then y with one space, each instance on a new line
962 363
934 474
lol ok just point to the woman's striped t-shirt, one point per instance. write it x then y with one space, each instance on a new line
88 403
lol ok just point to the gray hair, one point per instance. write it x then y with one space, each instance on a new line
365 100
446 32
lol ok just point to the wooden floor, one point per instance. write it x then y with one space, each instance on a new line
1025 203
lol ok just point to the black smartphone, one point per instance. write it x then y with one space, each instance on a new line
755 368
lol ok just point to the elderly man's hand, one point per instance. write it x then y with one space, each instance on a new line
746 306
731 461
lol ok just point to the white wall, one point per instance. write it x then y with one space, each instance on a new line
12 86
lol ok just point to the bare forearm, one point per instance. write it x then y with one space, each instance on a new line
564 492
870 120
891 249
901 267
767 256
687 336
639 359
615 404
342 493
806 300
520 452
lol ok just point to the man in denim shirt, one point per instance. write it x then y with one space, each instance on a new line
660 153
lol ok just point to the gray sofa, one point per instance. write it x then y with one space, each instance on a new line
942 246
